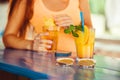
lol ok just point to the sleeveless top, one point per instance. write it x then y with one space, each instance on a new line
65 41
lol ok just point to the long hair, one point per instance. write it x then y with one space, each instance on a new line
28 13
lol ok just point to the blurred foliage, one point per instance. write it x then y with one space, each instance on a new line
97 6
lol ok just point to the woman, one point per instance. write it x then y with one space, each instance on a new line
26 17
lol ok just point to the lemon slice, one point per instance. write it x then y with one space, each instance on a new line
92 36
80 39
86 34
49 24
86 62
83 36
65 61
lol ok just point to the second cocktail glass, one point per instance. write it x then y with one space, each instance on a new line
85 46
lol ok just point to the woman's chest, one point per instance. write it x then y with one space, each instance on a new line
55 5
42 11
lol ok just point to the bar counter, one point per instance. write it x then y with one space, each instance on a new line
42 66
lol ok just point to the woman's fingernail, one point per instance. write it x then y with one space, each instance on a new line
47 33
49 46
50 41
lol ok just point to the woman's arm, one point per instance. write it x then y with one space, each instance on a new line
15 21
84 7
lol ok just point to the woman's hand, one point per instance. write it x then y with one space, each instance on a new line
41 44
63 20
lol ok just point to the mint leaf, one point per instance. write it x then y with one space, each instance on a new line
75 34
78 28
67 31
72 27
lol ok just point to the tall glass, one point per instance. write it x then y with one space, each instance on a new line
85 44
53 36
52 30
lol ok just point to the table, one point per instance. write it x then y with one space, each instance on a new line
42 66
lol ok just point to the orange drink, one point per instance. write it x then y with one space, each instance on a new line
52 30
85 43
52 35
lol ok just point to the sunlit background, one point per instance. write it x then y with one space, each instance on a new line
105 16
3 19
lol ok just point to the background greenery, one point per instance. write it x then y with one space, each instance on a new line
97 6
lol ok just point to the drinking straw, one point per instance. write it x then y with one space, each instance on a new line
82 20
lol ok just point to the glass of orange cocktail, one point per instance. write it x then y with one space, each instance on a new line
52 35
85 43
85 47
52 30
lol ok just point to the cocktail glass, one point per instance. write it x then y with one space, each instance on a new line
52 30
53 36
85 46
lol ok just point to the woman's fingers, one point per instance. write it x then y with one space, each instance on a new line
45 46
42 49
38 36
63 20
44 41
42 44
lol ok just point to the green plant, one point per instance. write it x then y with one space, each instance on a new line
73 29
